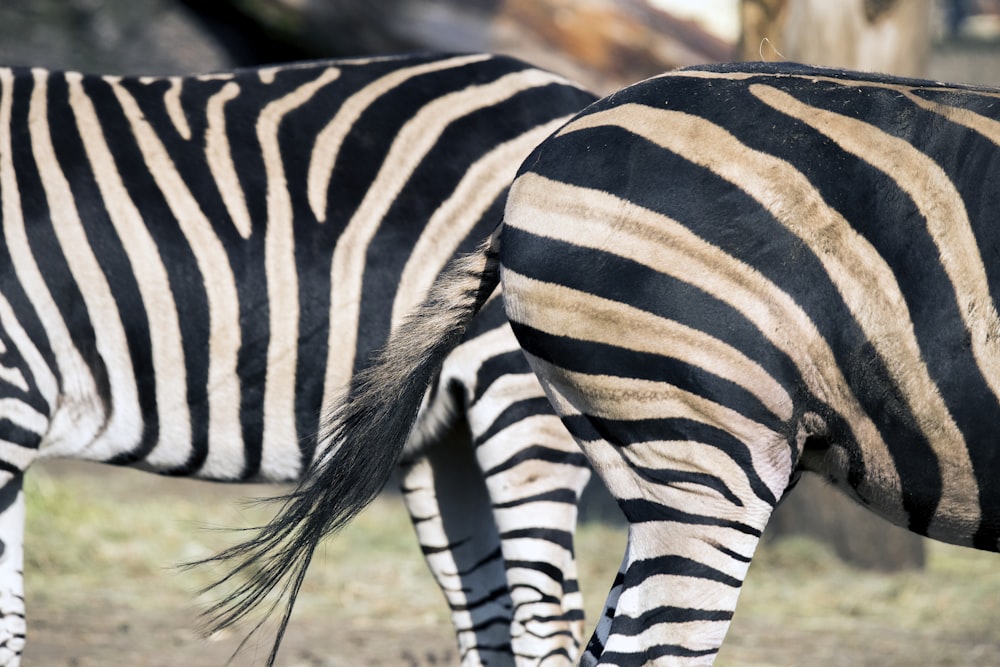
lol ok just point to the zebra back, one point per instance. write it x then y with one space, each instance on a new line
184 253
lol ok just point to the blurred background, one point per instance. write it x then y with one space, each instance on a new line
604 43
102 540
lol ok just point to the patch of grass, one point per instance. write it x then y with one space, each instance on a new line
88 538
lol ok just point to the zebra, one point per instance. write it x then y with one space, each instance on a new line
193 265
726 277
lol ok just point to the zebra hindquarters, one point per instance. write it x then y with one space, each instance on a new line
681 409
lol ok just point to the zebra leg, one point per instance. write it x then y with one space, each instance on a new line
692 535
12 617
444 493
697 488
535 474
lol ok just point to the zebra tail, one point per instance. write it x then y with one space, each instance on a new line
362 437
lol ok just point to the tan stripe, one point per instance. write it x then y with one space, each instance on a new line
620 398
597 220
872 295
216 76
414 140
282 286
454 220
939 203
329 140
988 127
123 429
887 84
225 436
152 279
219 156
570 312
175 111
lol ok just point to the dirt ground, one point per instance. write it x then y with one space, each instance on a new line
148 620
797 610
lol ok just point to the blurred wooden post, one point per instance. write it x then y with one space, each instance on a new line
890 36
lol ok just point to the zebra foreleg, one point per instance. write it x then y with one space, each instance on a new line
12 613
444 493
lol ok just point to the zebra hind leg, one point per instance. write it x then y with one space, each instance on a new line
535 474
444 493
690 544
697 491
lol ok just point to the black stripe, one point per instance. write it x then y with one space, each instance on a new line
45 248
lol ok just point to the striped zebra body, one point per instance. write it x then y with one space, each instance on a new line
194 266
731 275
798 273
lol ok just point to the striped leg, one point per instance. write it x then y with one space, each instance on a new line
535 504
25 382
535 474
444 493
697 496
12 623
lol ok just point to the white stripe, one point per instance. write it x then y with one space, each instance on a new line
220 159
225 451
16 455
153 282
41 374
331 137
124 426
280 436
14 377
612 397
455 218
413 142
25 416
25 268
175 111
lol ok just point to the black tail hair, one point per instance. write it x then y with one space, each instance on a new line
360 440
